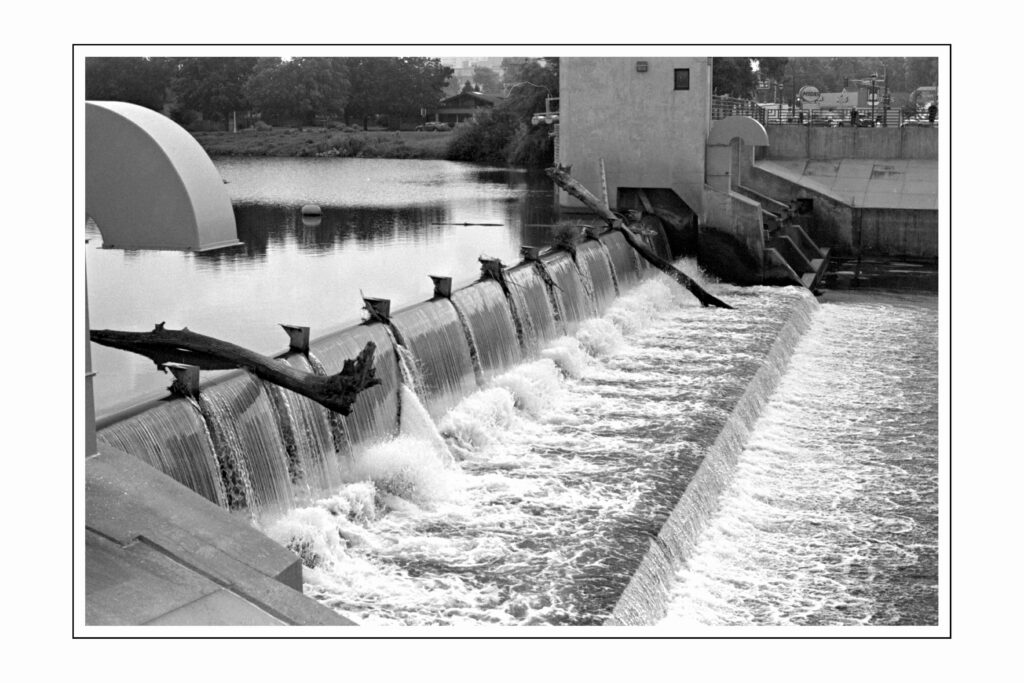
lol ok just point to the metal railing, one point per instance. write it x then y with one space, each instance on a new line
841 118
722 107
781 114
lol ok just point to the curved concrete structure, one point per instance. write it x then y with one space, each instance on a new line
743 127
722 166
148 183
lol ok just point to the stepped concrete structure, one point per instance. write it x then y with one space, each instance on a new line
755 204
159 554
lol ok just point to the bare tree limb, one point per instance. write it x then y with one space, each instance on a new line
335 392
577 190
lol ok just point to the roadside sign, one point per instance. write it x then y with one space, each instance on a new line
809 94
873 99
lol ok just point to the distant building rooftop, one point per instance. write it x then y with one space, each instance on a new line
468 98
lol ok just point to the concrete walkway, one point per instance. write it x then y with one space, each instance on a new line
157 553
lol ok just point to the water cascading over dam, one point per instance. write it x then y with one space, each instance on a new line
529 464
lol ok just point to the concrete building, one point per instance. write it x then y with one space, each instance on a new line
647 117
751 203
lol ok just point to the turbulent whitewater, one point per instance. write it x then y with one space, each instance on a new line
534 499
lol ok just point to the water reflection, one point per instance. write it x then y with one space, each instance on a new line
385 226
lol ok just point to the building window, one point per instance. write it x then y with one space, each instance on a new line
682 79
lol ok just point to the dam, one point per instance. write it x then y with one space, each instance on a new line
526 464
561 435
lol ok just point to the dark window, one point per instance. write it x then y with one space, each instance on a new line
682 79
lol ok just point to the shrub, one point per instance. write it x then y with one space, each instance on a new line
500 137
532 147
487 139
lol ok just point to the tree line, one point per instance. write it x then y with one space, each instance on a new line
307 90
302 90
739 76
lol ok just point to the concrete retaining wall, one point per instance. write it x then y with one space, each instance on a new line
833 219
896 232
805 142
730 244
848 230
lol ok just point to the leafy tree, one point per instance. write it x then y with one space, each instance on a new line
832 74
505 134
139 80
214 86
733 76
529 84
772 68
299 89
486 80
397 87
511 68
922 71
489 138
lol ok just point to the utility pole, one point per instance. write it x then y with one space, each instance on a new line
885 97
873 97
872 84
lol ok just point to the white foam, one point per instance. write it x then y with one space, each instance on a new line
535 386
479 419
816 522
599 337
568 355
498 536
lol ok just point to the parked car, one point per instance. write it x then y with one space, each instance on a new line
435 126
917 121
823 120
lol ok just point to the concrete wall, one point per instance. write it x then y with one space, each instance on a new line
730 244
896 232
849 231
805 142
648 133
738 215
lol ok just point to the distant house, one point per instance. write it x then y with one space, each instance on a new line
464 106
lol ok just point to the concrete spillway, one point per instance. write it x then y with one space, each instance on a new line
504 486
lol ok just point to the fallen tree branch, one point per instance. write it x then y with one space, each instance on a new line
577 190
335 392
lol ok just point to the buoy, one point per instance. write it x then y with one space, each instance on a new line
311 210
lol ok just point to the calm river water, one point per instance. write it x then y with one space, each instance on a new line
387 225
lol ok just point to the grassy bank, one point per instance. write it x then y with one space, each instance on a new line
309 142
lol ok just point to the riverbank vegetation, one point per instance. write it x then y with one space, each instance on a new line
330 106
325 142
506 134
239 91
